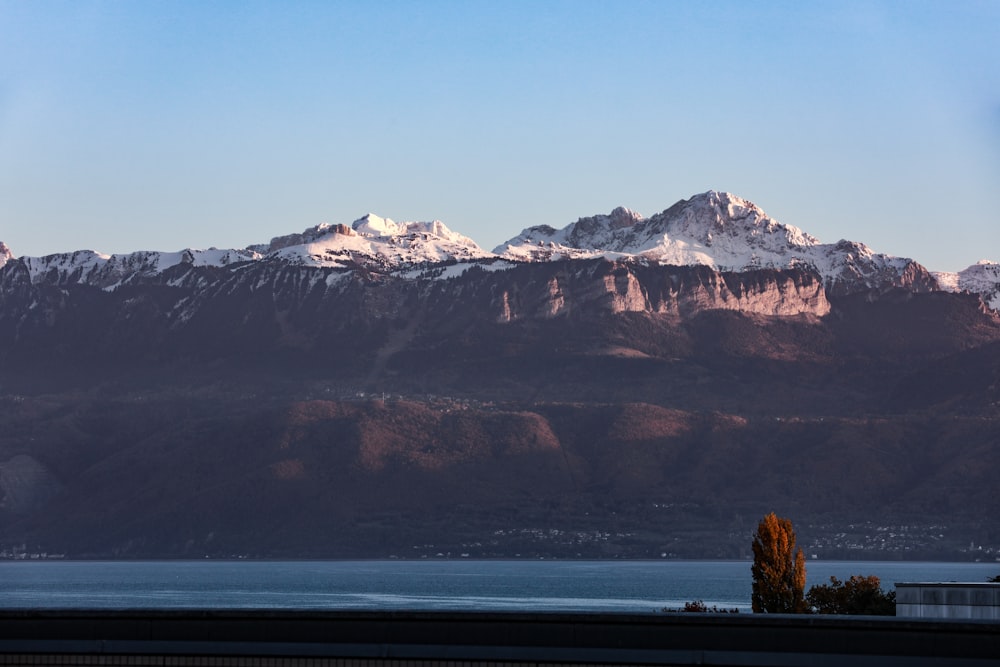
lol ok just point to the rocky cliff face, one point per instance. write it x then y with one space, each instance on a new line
187 309
673 291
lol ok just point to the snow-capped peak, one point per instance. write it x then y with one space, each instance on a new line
623 217
379 244
309 235
682 234
716 229
711 214
982 278
373 225
720 230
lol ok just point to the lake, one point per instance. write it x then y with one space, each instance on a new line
542 585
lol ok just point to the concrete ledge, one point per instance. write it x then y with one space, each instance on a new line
396 639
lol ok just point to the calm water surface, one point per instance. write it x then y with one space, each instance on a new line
629 586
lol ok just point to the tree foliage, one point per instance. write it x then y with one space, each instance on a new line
857 595
779 570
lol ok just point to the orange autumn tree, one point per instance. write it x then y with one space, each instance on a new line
779 570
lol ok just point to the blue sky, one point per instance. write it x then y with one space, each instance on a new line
163 125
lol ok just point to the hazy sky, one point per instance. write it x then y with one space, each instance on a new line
162 125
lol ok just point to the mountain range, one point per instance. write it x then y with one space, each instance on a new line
714 229
621 387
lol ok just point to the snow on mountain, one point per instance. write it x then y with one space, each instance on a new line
94 268
375 243
5 254
714 229
722 231
982 278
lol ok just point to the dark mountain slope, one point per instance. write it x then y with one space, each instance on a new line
590 407
186 477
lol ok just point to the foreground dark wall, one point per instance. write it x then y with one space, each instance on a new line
377 639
